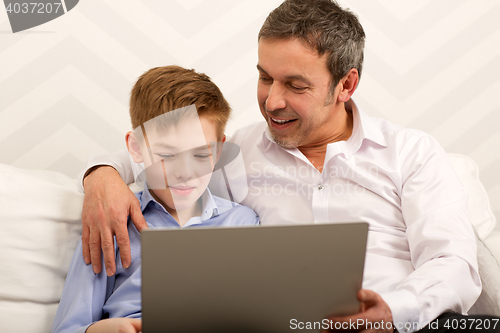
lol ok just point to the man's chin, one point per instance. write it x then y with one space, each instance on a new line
285 142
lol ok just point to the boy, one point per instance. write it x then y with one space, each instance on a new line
179 118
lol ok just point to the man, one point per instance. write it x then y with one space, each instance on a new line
317 158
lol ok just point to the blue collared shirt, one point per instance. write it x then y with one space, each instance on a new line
89 297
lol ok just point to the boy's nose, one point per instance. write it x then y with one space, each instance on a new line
183 169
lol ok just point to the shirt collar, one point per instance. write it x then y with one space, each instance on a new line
210 208
364 127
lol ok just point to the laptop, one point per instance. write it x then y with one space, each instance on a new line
250 279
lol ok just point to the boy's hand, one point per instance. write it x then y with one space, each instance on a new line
373 309
118 325
107 204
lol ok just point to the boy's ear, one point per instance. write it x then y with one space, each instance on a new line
219 148
134 148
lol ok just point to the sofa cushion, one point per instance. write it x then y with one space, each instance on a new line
480 213
489 271
484 223
39 228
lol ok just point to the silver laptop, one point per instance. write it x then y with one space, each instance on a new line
250 279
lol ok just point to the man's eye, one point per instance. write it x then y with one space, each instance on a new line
265 79
297 89
202 156
166 156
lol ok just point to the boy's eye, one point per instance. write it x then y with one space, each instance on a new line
166 156
202 156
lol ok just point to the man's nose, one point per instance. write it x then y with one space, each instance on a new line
276 97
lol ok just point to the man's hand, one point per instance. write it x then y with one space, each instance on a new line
373 310
107 204
116 325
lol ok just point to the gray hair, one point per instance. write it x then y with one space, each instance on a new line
324 26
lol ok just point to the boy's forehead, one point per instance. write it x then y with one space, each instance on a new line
180 128
186 133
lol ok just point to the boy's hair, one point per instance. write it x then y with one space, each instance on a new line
325 27
163 89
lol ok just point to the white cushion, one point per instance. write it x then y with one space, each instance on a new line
39 228
480 213
489 271
26 317
492 242
484 222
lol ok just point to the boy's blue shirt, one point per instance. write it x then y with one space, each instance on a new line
89 297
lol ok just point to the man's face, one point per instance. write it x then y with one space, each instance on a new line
293 92
180 162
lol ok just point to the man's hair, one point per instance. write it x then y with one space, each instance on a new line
325 27
163 89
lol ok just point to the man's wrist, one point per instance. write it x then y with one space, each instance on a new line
94 168
404 310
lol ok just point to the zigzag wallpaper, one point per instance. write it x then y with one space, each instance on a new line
433 65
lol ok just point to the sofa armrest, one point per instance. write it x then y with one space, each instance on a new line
489 270
492 242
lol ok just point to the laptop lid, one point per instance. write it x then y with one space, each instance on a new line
250 279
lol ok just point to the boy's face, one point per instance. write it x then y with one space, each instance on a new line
179 160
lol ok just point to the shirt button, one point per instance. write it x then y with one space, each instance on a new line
320 187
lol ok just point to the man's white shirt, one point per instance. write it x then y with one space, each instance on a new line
421 250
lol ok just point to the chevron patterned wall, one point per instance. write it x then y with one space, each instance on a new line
64 86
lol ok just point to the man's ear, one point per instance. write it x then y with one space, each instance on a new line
134 148
349 83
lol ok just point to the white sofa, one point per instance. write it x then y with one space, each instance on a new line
40 225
